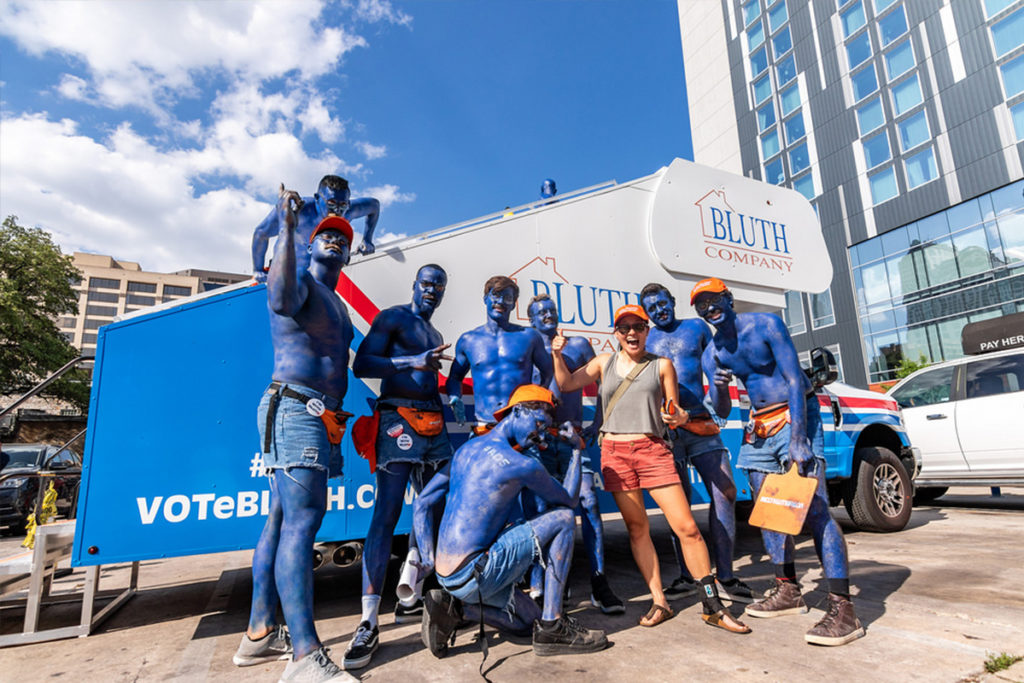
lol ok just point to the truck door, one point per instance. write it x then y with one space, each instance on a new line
989 415
930 418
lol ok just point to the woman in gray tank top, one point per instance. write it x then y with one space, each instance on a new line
639 392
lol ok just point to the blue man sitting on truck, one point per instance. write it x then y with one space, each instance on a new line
784 428
697 442
301 424
479 556
332 198
405 351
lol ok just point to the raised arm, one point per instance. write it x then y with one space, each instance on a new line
370 208
718 383
425 514
285 291
584 376
267 228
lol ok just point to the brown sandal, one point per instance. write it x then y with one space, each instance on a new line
725 621
656 615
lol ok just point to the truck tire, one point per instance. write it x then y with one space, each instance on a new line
929 494
880 499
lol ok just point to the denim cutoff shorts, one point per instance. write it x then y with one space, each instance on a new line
397 441
299 438
686 445
771 455
508 558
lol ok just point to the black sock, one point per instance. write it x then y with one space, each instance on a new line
840 587
548 623
786 572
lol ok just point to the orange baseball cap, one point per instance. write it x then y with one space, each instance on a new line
708 284
333 223
630 309
522 394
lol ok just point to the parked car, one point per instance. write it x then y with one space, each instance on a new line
963 415
20 467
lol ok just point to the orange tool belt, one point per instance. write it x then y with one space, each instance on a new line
702 425
480 430
423 422
767 421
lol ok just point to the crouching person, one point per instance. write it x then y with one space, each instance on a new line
478 559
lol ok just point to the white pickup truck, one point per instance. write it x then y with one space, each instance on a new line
963 415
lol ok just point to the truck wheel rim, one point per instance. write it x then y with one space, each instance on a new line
888 490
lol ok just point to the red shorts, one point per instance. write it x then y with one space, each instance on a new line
638 464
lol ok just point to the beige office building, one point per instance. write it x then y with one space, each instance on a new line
110 288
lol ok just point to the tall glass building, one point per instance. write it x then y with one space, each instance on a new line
902 122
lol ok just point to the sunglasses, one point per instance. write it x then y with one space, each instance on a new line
636 327
704 304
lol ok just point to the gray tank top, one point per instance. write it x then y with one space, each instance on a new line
639 409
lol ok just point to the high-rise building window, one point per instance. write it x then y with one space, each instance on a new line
1013 76
882 5
89 338
799 159
870 116
782 43
858 49
146 287
755 36
793 314
899 60
906 95
101 310
777 15
920 168
805 185
762 89
91 324
137 300
786 70
883 185
774 173
759 61
852 19
770 144
795 129
766 116
107 297
864 82
1008 33
821 309
994 7
67 321
877 150
751 11
892 26
789 99
1017 112
172 290
104 283
913 131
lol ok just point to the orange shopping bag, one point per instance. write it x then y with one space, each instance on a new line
783 502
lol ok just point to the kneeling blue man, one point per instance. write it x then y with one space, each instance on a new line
479 557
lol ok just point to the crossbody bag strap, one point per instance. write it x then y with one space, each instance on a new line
621 389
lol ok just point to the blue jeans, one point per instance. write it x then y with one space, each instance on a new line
397 441
686 445
298 438
506 562
771 455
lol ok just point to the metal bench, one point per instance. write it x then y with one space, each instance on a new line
32 571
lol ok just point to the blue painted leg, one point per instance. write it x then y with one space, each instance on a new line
263 613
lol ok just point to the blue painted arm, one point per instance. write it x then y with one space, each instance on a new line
425 514
453 386
268 227
788 363
718 386
370 208
542 361
285 291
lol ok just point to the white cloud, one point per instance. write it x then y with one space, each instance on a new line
371 151
72 87
381 10
388 194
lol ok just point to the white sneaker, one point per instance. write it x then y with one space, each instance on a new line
275 645
315 667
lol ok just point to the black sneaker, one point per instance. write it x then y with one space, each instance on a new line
442 614
602 597
683 587
735 590
566 637
407 615
360 650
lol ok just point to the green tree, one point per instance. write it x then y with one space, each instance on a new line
36 287
907 367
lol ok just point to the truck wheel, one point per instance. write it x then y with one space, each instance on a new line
929 494
881 498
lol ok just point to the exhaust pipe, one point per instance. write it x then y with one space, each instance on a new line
320 554
347 554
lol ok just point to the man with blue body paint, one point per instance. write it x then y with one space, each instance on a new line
405 351
556 457
479 557
332 198
784 428
301 425
500 354
698 441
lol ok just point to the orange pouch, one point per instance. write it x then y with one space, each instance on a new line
364 438
423 422
767 422
702 426
335 421
480 430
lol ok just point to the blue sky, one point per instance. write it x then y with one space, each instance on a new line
159 131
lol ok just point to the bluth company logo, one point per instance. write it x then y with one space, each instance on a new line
735 237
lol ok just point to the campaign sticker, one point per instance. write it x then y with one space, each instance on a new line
315 407
404 442
395 431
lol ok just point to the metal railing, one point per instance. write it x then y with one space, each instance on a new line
46 382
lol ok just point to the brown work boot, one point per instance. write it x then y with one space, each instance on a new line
839 625
783 598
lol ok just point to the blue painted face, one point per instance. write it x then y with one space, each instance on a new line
428 290
330 245
548 188
544 316
529 425
330 201
715 307
660 308
500 304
